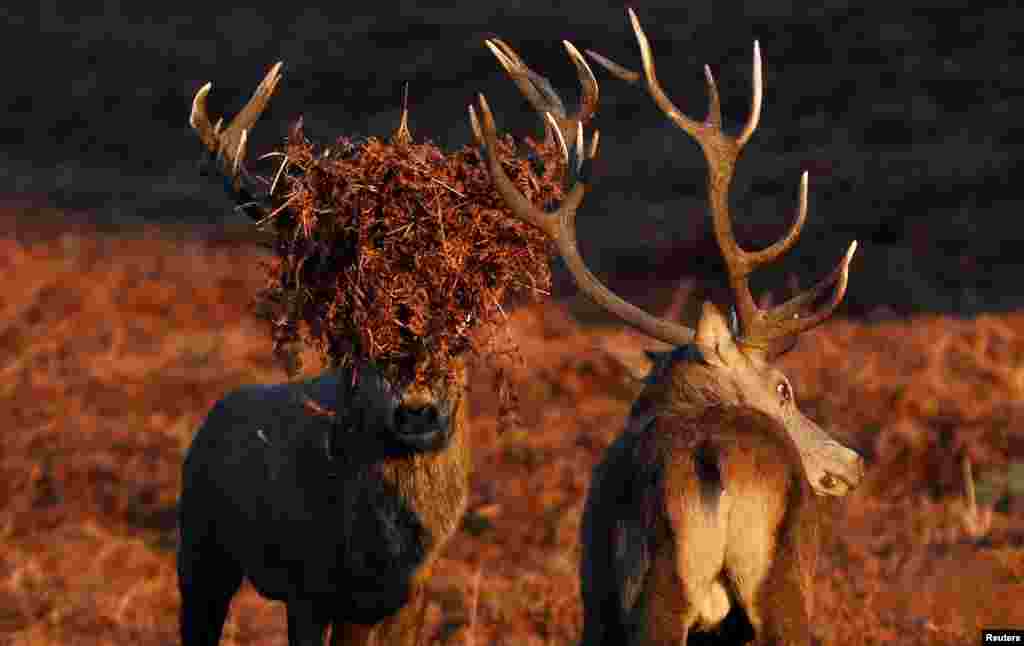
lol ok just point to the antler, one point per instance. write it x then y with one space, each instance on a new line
560 226
540 93
227 145
765 329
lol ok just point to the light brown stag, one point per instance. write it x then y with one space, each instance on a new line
705 504
341 515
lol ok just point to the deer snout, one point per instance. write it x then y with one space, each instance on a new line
422 428
406 416
844 470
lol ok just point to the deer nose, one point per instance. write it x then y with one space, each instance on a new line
860 465
850 464
425 415
856 462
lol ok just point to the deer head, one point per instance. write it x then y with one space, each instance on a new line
417 414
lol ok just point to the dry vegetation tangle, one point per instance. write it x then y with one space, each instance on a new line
397 252
112 349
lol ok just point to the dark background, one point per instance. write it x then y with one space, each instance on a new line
907 119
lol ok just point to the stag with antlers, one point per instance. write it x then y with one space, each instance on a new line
706 503
333 495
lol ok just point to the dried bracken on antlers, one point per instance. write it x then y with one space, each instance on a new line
388 251
399 253
769 330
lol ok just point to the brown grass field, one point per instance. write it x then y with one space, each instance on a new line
113 348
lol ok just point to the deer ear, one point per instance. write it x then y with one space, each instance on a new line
714 336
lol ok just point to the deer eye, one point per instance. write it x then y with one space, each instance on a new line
785 393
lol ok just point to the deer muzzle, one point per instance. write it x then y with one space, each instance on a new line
422 428
841 469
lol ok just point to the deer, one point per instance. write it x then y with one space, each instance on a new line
334 495
701 517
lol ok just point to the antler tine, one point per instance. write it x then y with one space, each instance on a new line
689 125
714 118
755 100
588 84
539 91
227 144
560 226
780 247
618 71
789 318
633 78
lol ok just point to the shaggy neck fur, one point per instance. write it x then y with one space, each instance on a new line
683 384
433 484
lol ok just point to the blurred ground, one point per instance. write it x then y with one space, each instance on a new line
905 115
113 347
